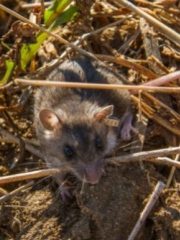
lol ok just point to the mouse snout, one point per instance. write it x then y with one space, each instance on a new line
92 173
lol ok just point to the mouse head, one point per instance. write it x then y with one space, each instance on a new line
79 141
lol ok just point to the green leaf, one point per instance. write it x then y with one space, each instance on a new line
66 16
51 16
5 45
29 50
49 11
9 68
57 7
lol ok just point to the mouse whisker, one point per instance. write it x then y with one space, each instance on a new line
62 165
82 188
31 163
127 145
43 179
35 168
103 171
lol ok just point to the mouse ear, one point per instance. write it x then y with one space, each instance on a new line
104 112
49 119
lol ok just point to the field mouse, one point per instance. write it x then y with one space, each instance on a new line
69 122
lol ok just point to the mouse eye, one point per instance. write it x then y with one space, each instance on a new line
68 151
98 143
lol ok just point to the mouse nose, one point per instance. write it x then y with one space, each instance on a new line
92 173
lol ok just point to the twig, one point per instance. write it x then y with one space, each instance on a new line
30 175
125 47
139 138
164 79
6 86
129 63
16 140
149 156
151 113
19 81
150 45
16 192
141 156
166 31
62 40
55 62
86 35
6 140
32 5
158 103
155 195
173 169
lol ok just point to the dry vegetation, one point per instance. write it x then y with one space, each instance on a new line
141 43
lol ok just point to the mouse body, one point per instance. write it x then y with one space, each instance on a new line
69 122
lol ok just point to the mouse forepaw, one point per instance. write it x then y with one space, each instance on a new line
126 132
65 192
126 126
64 187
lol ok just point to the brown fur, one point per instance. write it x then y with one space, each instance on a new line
74 112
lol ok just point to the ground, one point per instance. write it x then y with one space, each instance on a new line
108 210
111 208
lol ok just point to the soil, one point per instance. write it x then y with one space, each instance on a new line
108 210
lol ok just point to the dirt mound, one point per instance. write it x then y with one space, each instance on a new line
108 210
